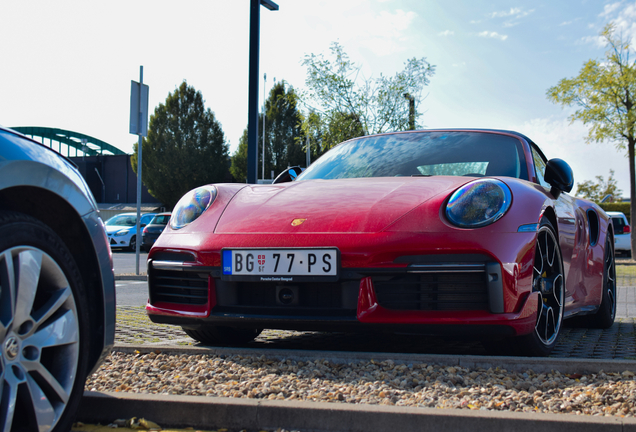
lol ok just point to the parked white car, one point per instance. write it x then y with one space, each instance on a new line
622 232
122 229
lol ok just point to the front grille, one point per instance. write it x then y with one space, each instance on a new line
180 287
433 291
306 299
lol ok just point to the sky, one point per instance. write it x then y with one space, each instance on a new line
68 63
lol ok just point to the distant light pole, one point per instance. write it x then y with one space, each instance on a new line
264 115
411 100
252 123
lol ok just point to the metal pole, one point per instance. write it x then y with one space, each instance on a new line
308 152
139 142
252 115
252 123
264 115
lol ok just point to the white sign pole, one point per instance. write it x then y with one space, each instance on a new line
139 126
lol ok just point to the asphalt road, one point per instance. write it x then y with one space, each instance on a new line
131 292
124 262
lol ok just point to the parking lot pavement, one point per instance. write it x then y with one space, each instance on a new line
618 342
626 301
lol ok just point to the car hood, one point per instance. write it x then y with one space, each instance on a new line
330 206
110 229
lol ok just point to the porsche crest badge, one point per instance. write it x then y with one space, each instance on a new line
297 222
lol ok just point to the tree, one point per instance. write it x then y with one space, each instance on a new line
604 93
185 147
378 105
596 191
325 132
283 135
239 158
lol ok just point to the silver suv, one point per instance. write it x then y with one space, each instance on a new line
57 289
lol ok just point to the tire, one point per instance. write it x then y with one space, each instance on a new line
43 328
133 244
548 279
220 335
606 313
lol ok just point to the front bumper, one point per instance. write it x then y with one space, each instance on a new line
429 294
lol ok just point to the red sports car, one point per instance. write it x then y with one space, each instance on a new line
464 232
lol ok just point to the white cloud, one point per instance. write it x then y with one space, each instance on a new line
513 12
446 33
493 35
624 19
386 32
610 8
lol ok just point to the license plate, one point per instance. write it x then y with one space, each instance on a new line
280 265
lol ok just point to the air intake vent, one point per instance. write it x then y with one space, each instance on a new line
180 287
432 291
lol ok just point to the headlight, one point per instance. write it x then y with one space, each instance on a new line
121 233
478 203
192 205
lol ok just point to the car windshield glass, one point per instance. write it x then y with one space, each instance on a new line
422 154
122 220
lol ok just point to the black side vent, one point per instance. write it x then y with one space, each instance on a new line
174 256
433 291
180 287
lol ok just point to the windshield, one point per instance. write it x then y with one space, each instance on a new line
422 154
122 220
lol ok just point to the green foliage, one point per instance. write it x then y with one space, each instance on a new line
623 207
239 160
604 94
350 102
283 136
283 132
185 147
596 191
324 132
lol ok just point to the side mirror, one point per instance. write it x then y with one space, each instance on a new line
288 175
558 174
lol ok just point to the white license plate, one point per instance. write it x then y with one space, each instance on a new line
284 265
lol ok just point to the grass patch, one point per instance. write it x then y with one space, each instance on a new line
625 271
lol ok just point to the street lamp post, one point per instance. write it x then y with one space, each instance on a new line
252 123
264 116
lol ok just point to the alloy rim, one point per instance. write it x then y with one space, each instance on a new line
39 330
549 283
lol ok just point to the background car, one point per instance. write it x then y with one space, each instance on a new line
622 233
122 229
443 232
57 289
153 230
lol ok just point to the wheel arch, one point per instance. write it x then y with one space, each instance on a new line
550 214
55 212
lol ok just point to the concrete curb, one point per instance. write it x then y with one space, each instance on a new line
213 412
517 364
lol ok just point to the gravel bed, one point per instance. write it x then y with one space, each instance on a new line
367 382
